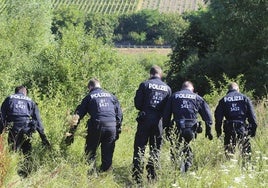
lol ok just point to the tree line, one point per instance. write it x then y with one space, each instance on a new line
228 38
225 38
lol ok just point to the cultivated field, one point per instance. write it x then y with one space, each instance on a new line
160 51
124 6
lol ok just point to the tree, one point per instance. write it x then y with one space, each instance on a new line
145 21
102 26
24 34
65 17
231 38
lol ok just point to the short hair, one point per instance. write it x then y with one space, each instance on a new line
156 70
233 86
19 88
187 85
94 82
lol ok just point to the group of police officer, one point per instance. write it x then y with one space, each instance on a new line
159 110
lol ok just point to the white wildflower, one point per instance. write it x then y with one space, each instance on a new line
239 179
175 185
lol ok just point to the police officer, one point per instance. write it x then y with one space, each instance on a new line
20 115
150 100
236 108
184 105
104 125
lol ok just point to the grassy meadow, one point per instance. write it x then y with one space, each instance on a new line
63 166
56 69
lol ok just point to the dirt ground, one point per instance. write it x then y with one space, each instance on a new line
163 51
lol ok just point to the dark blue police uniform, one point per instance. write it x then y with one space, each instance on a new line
103 126
236 108
150 100
22 117
184 105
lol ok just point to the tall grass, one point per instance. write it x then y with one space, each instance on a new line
66 166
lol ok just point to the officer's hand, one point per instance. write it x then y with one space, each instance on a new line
118 132
252 133
44 139
209 135
69 139
218 134
46 143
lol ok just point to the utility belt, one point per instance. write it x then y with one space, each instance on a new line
24 126
149 113
96 123
233 125
190 124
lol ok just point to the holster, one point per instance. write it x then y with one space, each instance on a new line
233 126
199 128
141 116
22 127
182 124
95 123
32 124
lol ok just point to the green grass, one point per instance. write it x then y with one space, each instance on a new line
66 167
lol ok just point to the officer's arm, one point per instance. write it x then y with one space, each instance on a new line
4 110
139 97
36 117
119 117
167 114
1 123
167 124
251 117
218 118
205 112
82 108
80 111
3 114
206 116
250 113
39 126
118 111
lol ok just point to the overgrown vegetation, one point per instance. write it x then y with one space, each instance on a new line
229 37
56 67
145 27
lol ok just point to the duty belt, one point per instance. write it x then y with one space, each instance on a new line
185 123
235 121
235 124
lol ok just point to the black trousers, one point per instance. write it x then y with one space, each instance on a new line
236 134
19 141
181 151
148 130
237 137
104 134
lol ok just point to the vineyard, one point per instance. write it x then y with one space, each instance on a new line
123 6
172 5
100 6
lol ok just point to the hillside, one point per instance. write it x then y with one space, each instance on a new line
124 6
172 5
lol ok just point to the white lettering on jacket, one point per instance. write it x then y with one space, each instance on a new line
23 97
233 98
158 87
99 95
185 96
